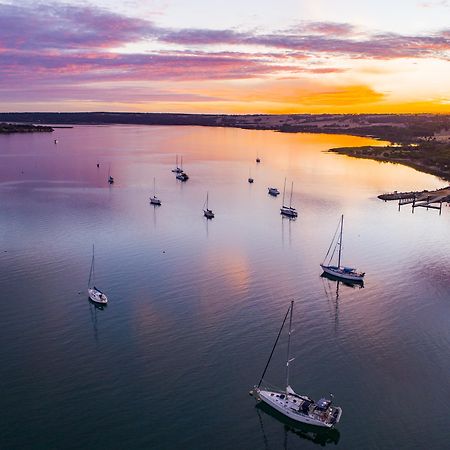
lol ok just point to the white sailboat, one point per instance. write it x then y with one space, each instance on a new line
206 211
110 178
250 179
155 200
177 169
288 211
95 294
297 407
342 272
181 174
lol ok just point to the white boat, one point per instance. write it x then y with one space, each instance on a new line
206 211
155 200
181 174
177 169
110 178
288 211
95 294
297 407
338 271
273 191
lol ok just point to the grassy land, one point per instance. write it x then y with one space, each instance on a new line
429 156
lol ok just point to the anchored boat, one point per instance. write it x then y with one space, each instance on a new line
206 211
338 271
288 211
95 294
298 407
155 200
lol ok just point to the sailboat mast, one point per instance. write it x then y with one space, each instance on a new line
288 360
284 189
340 241
154 186
91 272
290 199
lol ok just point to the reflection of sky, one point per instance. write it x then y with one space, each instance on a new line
198 303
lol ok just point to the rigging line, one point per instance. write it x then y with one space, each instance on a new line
273 349
332 242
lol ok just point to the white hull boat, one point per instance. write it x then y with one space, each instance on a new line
288 211
297 407
206 211
346 273
336 270
177 169
95 294
155 200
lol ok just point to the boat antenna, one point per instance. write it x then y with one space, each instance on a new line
290 198
340 241
273 348
288 360
284 189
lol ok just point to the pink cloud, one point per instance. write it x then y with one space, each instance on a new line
67 47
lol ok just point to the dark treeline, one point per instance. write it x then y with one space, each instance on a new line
396 128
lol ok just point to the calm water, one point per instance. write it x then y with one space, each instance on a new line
195 306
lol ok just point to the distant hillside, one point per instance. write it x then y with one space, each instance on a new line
396 128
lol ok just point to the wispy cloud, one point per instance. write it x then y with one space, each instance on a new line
76 47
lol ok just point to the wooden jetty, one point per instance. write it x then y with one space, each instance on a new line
424 199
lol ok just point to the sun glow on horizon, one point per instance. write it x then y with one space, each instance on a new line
92 56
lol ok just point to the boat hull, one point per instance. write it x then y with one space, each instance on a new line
97 296
288 212
339 273
273 191
286 408
155 201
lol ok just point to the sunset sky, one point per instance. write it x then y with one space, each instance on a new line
247 56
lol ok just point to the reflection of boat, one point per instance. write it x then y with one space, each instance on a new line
299 408
321 436
342 272
273 191
177 169
95 294
206 211
100 306
288 211
155 200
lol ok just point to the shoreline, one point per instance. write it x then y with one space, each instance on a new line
420 160
420 141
